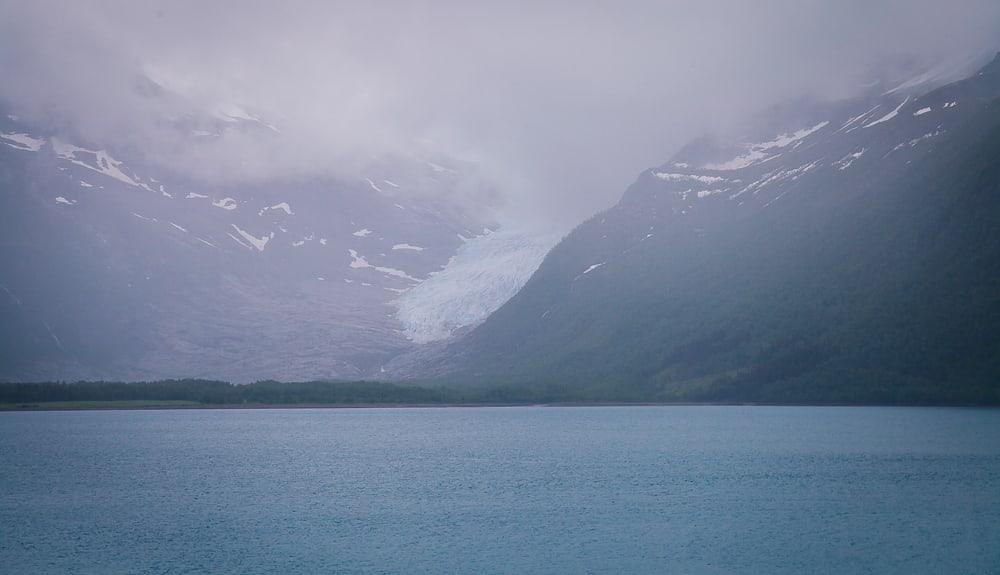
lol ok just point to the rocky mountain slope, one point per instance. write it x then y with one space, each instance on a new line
112 267
845 251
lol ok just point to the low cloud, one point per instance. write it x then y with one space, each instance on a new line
561 103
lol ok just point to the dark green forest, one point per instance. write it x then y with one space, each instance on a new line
209 392
219 393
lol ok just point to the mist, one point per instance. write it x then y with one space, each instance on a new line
560 105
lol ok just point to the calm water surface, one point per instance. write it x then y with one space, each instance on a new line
502 490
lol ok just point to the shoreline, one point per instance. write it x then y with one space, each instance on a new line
369 405
95 406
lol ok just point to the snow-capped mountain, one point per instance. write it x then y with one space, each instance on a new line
118 268
826 246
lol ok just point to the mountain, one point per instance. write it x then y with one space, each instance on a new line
843 252
115 267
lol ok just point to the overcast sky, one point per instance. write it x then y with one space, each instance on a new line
562 104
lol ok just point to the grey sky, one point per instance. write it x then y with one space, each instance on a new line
562 103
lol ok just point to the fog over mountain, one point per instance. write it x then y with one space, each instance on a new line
319 190
500 286
559 104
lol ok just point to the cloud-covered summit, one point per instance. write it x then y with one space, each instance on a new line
559 103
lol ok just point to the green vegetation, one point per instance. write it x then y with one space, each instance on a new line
126 404
193 393
206 393
188 392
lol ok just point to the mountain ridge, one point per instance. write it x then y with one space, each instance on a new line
114 268
667 295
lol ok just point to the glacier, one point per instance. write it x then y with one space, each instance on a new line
485 272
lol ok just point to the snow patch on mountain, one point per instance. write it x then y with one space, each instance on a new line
225 203
888 116
484 273
103 163
777 177
440 169
258 243
916 141
855 119
239 241
847 160
23 142
283 206
372 184
360 262
688 177
757 153
706 193
235 113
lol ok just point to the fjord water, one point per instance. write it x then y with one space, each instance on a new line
502 490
